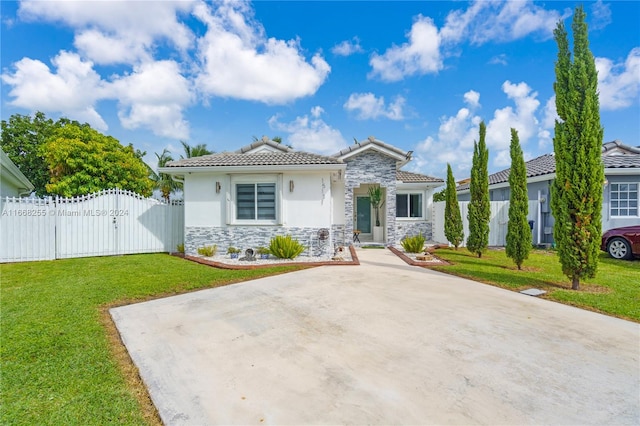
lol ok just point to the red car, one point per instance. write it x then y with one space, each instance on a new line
622 243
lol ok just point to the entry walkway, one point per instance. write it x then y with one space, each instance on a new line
380 343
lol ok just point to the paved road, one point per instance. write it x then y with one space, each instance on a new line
380 343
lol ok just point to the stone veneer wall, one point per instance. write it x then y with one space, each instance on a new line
371 167
409 229
339 236
244 237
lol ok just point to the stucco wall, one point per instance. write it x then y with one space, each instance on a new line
8 188
303 207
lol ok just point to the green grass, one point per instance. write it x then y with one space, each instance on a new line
614 291
58 365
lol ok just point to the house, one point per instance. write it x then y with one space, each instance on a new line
621 189
13 183
246 197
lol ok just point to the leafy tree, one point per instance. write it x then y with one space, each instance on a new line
576 197
82 160
518 230
453 228
163 181
440 196
22 138
194 151
479 207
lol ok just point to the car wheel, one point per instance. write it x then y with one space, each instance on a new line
619 248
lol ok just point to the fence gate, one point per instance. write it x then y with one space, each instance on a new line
109 222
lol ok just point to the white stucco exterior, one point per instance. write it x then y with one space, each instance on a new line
13 183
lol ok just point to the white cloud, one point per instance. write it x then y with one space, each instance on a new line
154 96
486 21
600 15
457 133
368 106
482 22
111 32
511 20
550 114
347 47
499 60
522 118
619 83
420 55
310 134
239 61
73 89
472 98
453 144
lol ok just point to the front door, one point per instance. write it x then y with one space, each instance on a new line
363 215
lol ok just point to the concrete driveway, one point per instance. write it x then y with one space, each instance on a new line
380 343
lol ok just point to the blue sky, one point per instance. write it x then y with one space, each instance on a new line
417 75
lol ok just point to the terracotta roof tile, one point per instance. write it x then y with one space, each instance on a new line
546 164
409 177
229 159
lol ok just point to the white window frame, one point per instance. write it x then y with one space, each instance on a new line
611 199
255 179
408 194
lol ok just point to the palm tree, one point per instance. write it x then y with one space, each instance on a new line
195 151
163 181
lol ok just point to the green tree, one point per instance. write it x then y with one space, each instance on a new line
440 196
479 207
163 181
82 160
453 228
194 151
22 137
576 193
518 230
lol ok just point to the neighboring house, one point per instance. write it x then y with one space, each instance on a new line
12 182
246 197
621 189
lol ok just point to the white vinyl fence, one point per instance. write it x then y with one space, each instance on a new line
110 222
497 223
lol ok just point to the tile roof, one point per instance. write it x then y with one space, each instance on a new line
265 141
371 140
614 147
546 164
621 161
230 159
409 177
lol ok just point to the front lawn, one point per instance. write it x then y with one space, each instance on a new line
614 291
59 363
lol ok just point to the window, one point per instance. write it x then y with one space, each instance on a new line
624 199
409 205
256 201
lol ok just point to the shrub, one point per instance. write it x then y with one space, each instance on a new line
208 251
233 250
285 247
180 248
413 244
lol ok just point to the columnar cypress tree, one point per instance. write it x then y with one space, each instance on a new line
518 231
453 229
479 207
576 198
